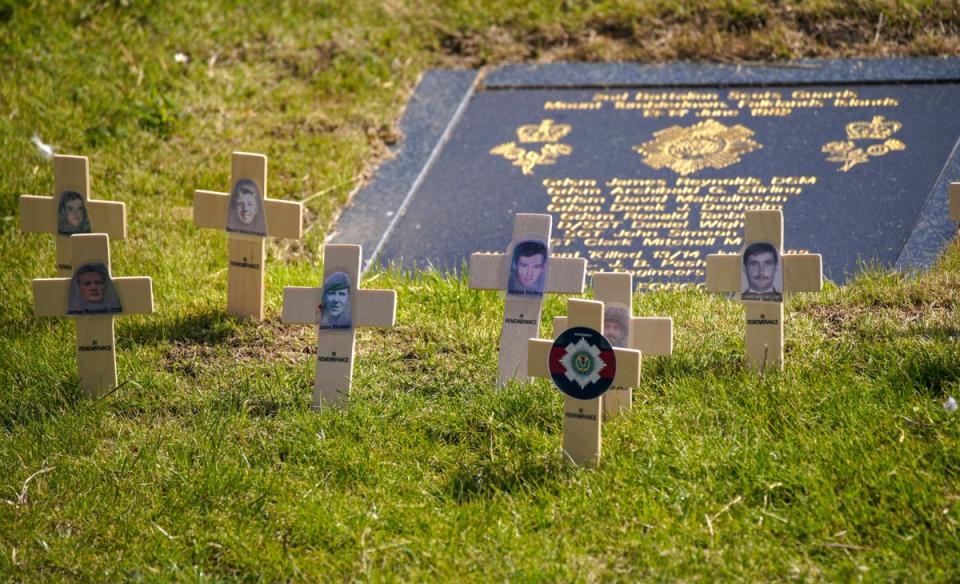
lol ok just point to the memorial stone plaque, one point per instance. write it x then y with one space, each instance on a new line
648 169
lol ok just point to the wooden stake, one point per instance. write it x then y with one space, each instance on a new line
521 321
649 335
43 214
582 419
96 353
246 255
335 340
763 340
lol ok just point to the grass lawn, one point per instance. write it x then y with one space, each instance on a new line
207 462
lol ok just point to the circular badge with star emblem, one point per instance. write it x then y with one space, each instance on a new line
582 363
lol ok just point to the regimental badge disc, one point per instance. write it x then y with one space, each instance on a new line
582 363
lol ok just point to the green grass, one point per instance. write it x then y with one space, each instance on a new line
207 462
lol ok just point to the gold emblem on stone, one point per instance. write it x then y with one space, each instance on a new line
705 144
850 154
547 131
876 129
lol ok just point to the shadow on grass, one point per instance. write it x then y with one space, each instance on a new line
36 404
204 328
930 372
512 473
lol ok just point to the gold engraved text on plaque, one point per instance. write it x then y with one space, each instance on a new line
705 144
878 130
547 131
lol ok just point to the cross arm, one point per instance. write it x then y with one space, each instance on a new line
50 296
108 217
652 336
955 201
802 272
485 271
284 218
376 308
567 275
136 294
628 368
723 272
559 325
300 304
538 357
210 209
37 214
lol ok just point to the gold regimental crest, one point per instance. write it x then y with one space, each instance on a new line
851 154
547 131
876 129
705 144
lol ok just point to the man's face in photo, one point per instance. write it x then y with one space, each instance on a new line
529 269
336 301
75 213
761 268
92 286
613 330
247 207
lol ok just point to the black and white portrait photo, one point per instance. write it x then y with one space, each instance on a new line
246 209
335 308
528 269
72 214
762 273
616 325
92 292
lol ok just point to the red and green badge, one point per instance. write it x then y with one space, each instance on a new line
582 363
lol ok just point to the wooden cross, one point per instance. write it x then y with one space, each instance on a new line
265 217
71 210
649 335
521 321
582 419
338 307
801 272
94 297
955 201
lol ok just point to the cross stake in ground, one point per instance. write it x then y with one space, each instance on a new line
578 362
71 210
801 272
249 216
94 298
521 320
649 335
338 307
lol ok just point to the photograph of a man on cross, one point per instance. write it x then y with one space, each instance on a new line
246 205
762 278
72 214
528 269
93 292
335 310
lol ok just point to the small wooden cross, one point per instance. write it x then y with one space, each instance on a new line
94 298
649 335
498 271
71 210
249 216
801 272
582 419
955 201
338 307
